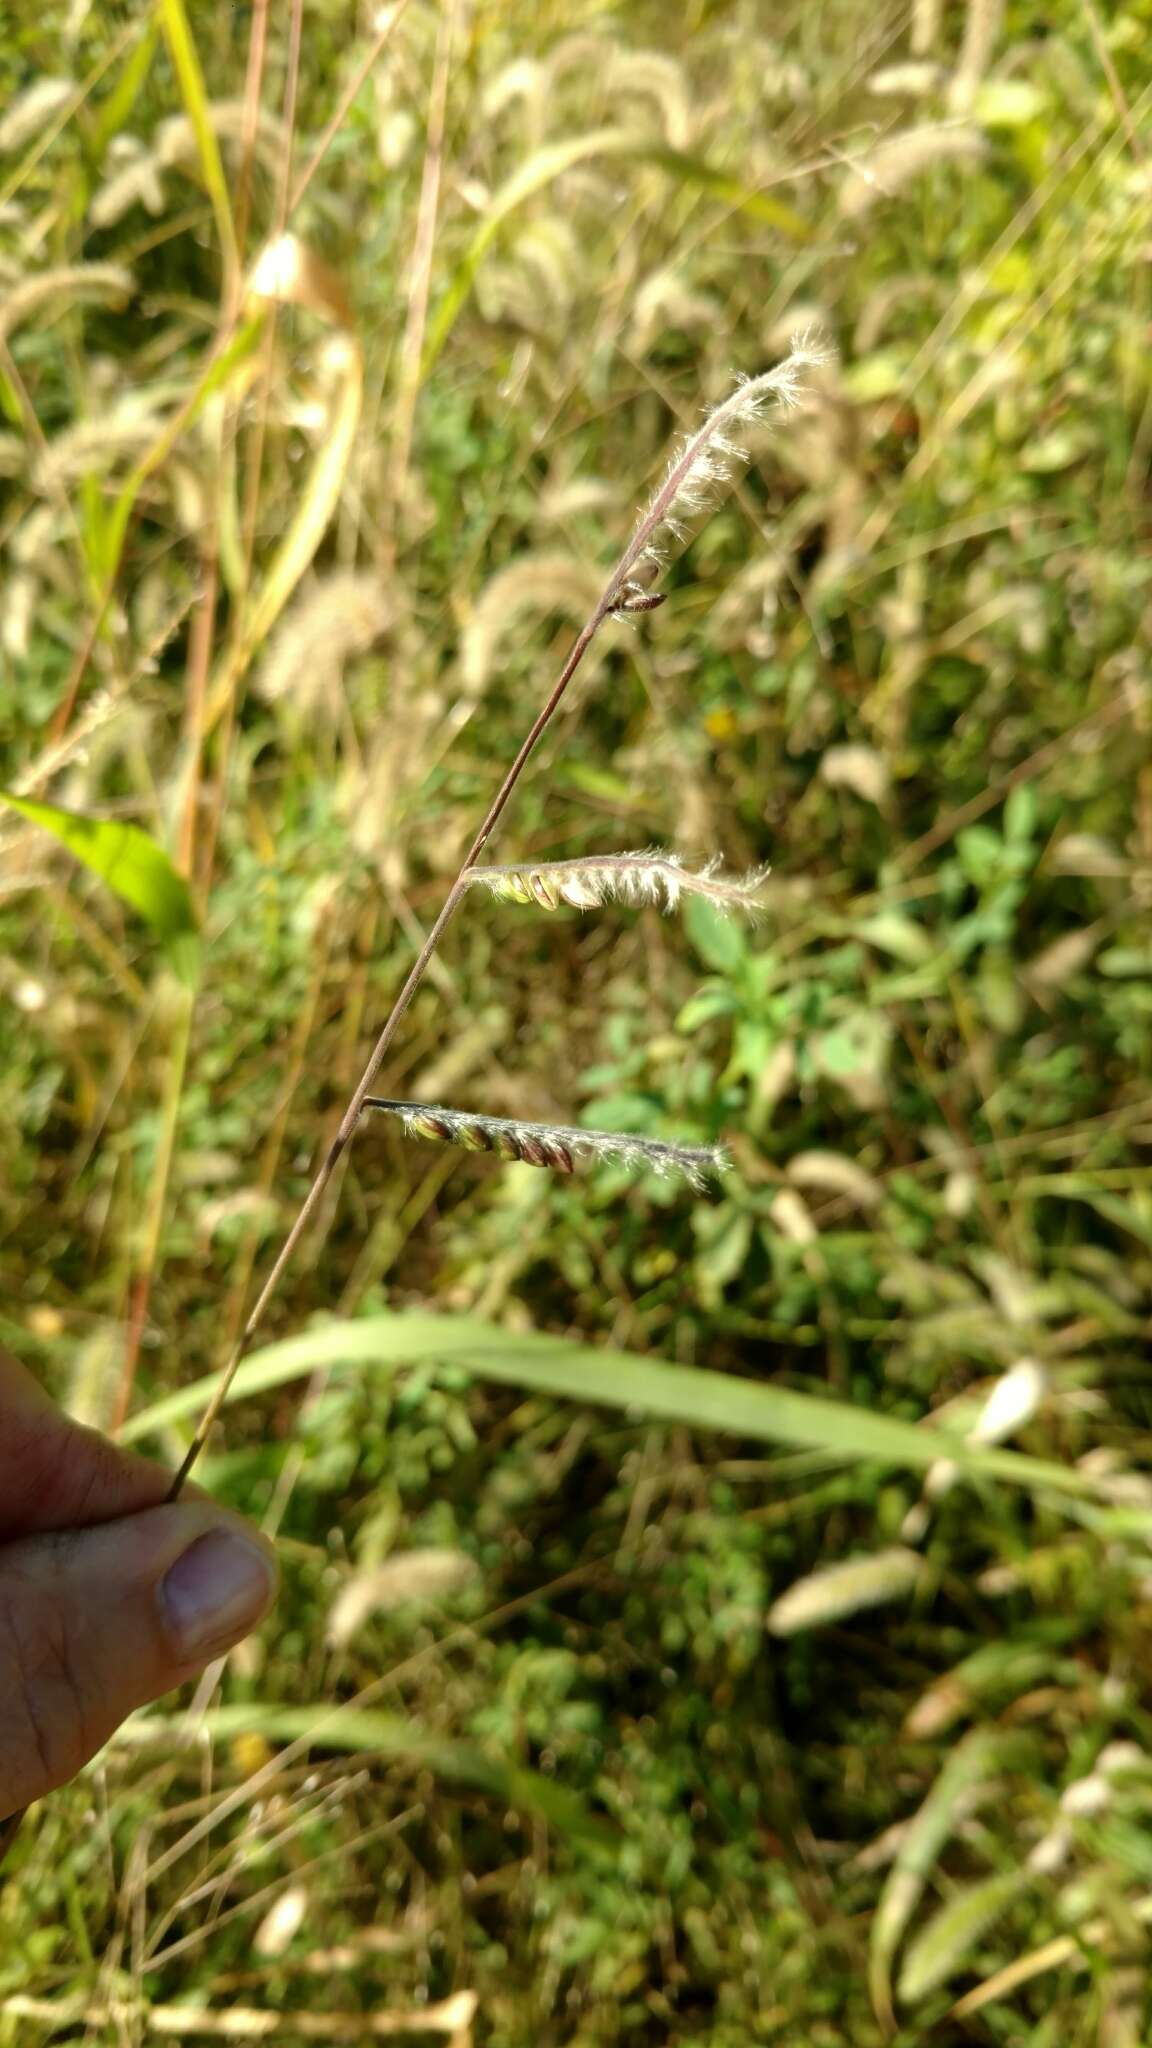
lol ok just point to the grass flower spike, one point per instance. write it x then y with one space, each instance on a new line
558 1146
703 462
703 465
651 877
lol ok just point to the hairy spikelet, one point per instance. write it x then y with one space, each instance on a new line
91 447
340 616
30 111
411 1576
705 461
913 81
897 161
573 498
536 288
97 281
925 26
664 301
654 76
651 877
550 255
558 1146
631 82
520 80
134 180
176 144
981 28
536 584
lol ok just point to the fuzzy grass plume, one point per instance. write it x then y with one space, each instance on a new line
705 462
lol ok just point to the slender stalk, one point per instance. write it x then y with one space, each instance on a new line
351 1115
701 461
420 270
391 20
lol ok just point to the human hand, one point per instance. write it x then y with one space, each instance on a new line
108 1598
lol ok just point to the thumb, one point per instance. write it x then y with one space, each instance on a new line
95 1622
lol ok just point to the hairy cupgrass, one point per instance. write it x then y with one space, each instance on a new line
27 113
701 464
558 1146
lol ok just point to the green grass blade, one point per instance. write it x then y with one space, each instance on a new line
132 864
115 113
651 1387
355 1730
186 64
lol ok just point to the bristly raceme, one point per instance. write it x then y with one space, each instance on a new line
649 877
558 1146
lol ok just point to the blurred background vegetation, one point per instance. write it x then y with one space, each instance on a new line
283 582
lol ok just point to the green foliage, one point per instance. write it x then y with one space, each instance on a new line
130 863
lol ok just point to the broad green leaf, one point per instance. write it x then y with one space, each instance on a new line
717 1001
718 940
650 1387
132 864
892 931
356 1729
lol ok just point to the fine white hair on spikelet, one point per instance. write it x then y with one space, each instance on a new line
702 464
30 111
341 615
882 171
71 281
558 1146
982 23
536 583
134 180
175 139
648 877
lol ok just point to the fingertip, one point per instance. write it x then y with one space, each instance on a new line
217 1590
